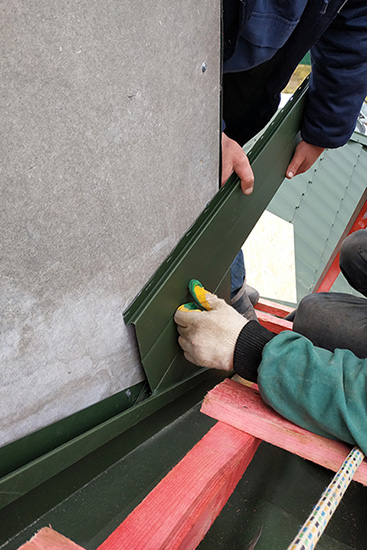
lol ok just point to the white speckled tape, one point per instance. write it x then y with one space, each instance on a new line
317 521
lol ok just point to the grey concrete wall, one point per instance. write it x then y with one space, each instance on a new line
109 151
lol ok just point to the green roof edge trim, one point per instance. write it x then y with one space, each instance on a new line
23 480
16 454
208 248
164 271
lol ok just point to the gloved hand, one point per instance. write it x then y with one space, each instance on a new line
208 338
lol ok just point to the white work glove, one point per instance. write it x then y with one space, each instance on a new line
208 338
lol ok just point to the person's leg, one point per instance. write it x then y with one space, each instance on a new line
243 296
333 320
353 260
238 273
336 320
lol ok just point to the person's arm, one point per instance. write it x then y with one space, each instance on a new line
338 82
338 86
321 391
324 392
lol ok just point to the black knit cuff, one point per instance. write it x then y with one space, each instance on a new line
248 351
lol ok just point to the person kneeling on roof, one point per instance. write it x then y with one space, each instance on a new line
320 390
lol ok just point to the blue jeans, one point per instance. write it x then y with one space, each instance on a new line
338 320
238 273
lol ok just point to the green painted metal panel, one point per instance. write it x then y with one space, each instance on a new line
208 249
38 471
89 499
29 448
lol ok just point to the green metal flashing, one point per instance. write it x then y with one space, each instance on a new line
91 498
29 448
21 481
208 249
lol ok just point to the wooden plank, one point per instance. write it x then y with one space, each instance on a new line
181 508
243 408
274 324
48 539
274 308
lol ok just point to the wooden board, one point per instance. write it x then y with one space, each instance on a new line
272 323
48 539
274 308
181 508
243 408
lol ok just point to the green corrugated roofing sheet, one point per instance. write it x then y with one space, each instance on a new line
319 204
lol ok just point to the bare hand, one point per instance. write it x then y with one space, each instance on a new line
304 157
234 159
209 338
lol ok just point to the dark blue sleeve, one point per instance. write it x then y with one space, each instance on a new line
338 83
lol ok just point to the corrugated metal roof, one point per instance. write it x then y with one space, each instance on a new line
319 204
